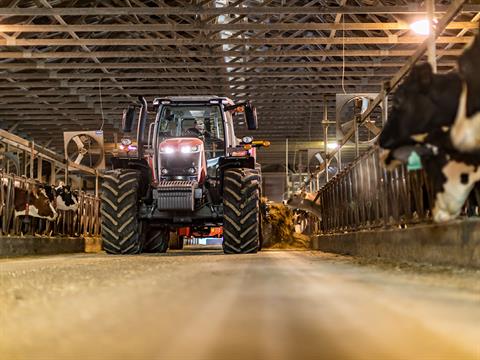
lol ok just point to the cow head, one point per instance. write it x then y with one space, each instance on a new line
296 199
50 191
34 202
393 158
304 201
424 106
412 110
66 199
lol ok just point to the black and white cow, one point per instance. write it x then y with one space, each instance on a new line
424 108
34 202
63 197
465 133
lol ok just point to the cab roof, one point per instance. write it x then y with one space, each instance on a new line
193 99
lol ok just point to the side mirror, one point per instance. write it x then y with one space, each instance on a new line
250 116
128 118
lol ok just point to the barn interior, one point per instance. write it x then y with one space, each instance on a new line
310 95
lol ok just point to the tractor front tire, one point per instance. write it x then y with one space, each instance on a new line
119 212
241 207
156 240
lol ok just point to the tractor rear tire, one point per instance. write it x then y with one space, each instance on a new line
241 206
156 240
176 241
119 212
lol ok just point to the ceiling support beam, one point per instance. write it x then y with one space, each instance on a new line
209 65
194 83
243 26
379 40
251 10
191 75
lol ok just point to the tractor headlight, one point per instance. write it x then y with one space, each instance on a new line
247 140
126 142
167 150
192 170
187 149
164 171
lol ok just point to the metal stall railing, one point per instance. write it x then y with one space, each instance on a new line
429 43
365 195
84 221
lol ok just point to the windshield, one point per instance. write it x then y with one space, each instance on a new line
201 121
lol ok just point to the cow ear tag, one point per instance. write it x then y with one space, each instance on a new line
414 162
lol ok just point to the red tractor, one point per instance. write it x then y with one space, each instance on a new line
189 171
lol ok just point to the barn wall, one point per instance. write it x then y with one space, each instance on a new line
456 243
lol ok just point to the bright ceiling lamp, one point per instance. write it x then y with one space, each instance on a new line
332 145
421 27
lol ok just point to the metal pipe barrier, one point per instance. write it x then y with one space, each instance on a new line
84 221
364 195
454 8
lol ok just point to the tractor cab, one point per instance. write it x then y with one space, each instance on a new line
189 138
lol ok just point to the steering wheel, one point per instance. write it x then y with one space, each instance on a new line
192 132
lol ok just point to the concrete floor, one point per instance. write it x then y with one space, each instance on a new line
201 304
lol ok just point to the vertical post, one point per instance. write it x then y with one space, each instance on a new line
96 183
325 135
7 163
357 117
66 173
339 159
286 167
39 168
24 163
31 159
357 150
432 56
384 108
53 173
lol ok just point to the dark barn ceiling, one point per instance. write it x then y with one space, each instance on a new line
65 63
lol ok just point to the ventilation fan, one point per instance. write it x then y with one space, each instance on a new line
85 148
317 158
347 106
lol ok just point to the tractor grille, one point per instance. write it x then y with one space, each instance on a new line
176 195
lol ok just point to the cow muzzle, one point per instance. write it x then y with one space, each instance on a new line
388 161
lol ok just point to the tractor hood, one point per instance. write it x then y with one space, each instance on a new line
181 159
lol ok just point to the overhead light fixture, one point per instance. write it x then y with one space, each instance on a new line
332 145
421 27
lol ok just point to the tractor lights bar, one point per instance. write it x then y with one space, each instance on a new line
185 149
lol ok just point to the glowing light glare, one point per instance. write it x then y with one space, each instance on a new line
332 146
169 150
126 141
421 27
186 149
